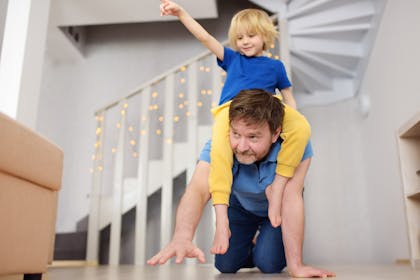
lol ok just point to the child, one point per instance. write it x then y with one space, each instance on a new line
250 34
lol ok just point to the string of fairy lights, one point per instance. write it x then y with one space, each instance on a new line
182 112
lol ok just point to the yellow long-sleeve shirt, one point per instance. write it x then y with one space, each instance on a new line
295 134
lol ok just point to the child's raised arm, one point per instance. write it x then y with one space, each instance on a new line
170 8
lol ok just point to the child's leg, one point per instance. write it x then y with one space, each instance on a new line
222 234
274 194
220 178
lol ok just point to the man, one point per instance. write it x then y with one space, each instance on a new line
254 117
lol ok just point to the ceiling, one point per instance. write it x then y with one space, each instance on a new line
94 12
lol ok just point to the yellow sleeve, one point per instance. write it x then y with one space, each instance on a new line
221 157
295 133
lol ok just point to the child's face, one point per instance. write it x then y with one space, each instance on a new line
248 43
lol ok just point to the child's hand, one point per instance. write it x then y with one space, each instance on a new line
169 8
221 240
274 197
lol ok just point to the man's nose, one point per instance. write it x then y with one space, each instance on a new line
242 145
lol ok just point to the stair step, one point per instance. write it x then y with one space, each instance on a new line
313 59
331 29
350 12
70 246
328 46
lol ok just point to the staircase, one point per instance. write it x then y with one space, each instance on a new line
142 143
330 43
156 132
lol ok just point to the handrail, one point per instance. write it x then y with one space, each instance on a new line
155 80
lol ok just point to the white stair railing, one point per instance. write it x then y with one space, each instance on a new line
167 186
115 240
143 176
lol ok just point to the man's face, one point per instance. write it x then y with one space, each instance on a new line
250 143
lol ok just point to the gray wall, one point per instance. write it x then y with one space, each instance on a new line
3 10
353 197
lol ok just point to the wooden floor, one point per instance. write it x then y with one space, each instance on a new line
205 272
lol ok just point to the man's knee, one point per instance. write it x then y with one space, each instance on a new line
226 267
269 267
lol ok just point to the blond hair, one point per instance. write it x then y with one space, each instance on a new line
254 21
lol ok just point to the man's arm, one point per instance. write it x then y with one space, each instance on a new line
170 8
188 216
293 226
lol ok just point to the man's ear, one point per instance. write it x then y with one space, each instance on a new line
276 135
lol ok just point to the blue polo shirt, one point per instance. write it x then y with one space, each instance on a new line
250 181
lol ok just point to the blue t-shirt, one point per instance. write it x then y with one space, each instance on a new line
251 180
257 72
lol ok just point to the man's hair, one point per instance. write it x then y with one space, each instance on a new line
257 106
253 21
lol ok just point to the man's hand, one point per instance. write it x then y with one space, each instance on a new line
308 271
180 249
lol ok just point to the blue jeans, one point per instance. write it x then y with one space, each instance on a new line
268 253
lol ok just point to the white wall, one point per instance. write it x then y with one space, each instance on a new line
354 205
